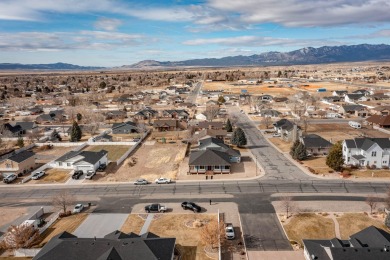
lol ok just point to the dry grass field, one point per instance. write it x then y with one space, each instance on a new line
318 164
53 176
351 223
114 151
9 214
187 238
133 224
365 173
282 145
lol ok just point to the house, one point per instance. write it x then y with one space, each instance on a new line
339 93
116 114
269 113
331 99
163 125
315 144
216 133
357 110
19 163
124 128
81 160
210 125
20 128
212 156
379 120
362 91
175 113
288 130
103 138
146 114
367 244
381 110
355 97
53 116
116 245
367 152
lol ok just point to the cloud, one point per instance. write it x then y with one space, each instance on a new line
107 24
257 41
81 40
306 12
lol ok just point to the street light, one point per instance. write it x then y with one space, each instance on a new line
256 164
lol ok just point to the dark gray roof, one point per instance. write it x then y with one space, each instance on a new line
209 157
89 156
352 108
358 156
354 96
315 141
366 143
128 124
121 247
284 124
22 156
269 112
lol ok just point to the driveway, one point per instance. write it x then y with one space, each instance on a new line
99 225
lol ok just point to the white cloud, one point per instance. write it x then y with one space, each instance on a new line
107 24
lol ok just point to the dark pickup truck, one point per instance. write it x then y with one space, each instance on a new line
155 208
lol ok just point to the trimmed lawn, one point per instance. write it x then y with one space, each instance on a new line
350 223
187 239
114 151
69 224
53 176
133 223
309 226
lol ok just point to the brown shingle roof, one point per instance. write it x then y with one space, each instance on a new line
379 120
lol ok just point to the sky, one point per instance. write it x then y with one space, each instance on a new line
119 32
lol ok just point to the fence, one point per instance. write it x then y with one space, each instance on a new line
49 223
61 144
112 143
170 135
382 129
126 154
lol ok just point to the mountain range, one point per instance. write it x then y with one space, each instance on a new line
309 55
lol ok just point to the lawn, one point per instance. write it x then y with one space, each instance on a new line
114 151
133 223
282 145
69 224
318 164
187 239
350 223
368 173
309 226
53 176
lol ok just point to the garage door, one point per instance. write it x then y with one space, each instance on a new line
84 168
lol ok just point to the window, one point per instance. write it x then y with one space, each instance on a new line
348 158
8 165
68 164
227 167
216 167
373 153
201 167
59 163
384 162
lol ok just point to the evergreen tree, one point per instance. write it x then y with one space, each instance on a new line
79 117
20 142
102 84
300 152
228 126
239 137
55 136
221 99
293 148
335 157
75 132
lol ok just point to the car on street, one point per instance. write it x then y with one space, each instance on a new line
76 175
37 175
229 232
192 206
90 174
141 182
101 167
157 208
162 181
78 208
10 178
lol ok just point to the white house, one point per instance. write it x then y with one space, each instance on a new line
81 160
367 152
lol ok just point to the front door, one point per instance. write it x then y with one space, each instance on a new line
209 168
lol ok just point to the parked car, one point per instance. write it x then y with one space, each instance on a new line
76 175
229 232
192 206
101 167
155 208
37 175
90 174
141 182
78 208
276 135
10 178
162 181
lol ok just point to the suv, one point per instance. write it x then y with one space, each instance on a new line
102 167
76 175
192 206
10 178
37 175
90 174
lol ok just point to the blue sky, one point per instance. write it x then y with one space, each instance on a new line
119 32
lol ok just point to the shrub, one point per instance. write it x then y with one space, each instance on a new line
385 167
387 221
311 170
331 171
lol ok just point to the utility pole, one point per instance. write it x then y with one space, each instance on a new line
256 164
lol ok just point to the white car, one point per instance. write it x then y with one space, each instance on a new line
141 182
78 208
229 232
276 135
90 174
37 175
10 178
162 181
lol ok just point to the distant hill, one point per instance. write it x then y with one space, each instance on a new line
52 66
326 54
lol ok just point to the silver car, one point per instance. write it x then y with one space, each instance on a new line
141 182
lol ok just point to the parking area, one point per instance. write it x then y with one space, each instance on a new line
99 225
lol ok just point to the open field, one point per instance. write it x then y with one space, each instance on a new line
133 224
149 162
53 176
309 226
114 151
259 89
69 224
9 214
350 223
187 239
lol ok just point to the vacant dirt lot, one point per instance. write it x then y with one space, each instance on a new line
114 151
46 155
53 176
133 223
350 223
260 89
149 162
9 214
187 238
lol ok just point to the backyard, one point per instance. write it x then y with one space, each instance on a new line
114 151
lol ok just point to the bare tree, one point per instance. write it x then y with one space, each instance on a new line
266 121
371 201
63 200
211 112
287 205
213 233
22 236
141 127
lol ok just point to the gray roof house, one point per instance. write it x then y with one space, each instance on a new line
21 128
81 160
289 131
212 156
124 128
367 244
315 144
113 246
269 113
367 152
